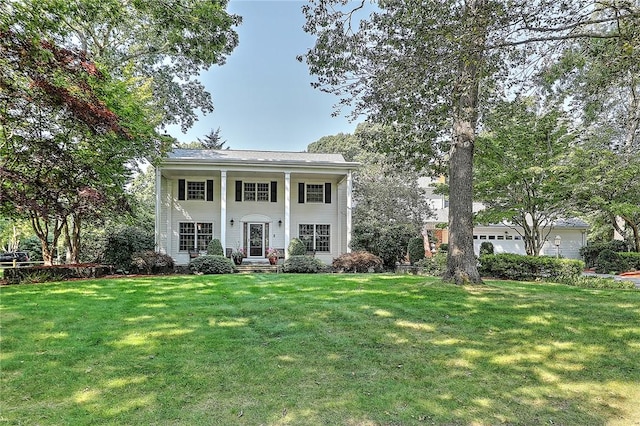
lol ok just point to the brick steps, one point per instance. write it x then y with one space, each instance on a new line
248 268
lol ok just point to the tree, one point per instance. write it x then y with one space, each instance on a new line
428 68
213 140
390 206
518 170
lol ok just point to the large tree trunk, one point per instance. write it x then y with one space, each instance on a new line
461 261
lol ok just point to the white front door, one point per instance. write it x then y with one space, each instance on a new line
255 240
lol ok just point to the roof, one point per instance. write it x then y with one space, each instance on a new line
240 156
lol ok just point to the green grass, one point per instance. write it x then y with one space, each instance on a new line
317 349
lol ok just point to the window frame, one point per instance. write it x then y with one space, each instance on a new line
195 238
200 192
318 196
319 241
261 192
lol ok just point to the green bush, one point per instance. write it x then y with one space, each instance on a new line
486 247
434 266
415 248
631 260
215 248
123 242
357 261
609 262
297 247
591 252
303 264
389 242
212 265
151 262
444 247
598 282
529 268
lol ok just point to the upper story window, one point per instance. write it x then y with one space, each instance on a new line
314 192
195 190
256 191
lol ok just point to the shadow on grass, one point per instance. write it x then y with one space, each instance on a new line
325 349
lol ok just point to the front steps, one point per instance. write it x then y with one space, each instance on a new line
258 266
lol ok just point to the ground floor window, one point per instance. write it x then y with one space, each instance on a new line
195 235
316 237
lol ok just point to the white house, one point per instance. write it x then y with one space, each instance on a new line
253 200
505 238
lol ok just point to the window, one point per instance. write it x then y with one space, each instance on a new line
475 237
195 190
492 237
315 193
316 237
501 237
256 191
192 232
483 237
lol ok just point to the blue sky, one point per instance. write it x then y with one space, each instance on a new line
262 95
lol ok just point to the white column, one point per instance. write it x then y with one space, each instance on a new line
158 207
349 205
287 212
223 209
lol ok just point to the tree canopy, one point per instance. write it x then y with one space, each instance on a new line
428 69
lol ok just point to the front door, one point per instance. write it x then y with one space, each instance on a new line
256 240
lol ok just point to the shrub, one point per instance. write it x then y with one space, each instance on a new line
591 252
297 247
631 260
389 242
357 261
526 268
303 264
610 262
486 247
122 242
444 247
434 266
212 265
151 262
415 248
598 282
215 248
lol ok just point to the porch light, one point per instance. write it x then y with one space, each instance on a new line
231 221
280 222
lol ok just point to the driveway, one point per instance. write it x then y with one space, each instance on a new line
634 279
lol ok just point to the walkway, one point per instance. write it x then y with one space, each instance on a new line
634 279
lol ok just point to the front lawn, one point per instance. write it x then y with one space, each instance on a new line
317 349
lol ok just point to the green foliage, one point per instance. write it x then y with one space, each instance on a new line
415 249
357 261
388 241
591 251
486 247
215 248
610 262
152 262
303 264
435 265
444 247
33 247
123 242
529 268
212 265
631 260
599 283
296 247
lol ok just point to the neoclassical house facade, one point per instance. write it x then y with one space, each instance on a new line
253 200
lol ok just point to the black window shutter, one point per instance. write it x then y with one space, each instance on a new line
274 191
327 193
238 190
182 184
301 193
210 190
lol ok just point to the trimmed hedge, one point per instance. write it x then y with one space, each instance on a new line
215 248
415 248
151 262
357 261
591 252
212 265
529 268
486 247
303 264
296 247
610 262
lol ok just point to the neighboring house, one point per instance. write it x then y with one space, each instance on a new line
508 239
253 200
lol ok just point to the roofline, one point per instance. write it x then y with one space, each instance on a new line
271 163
